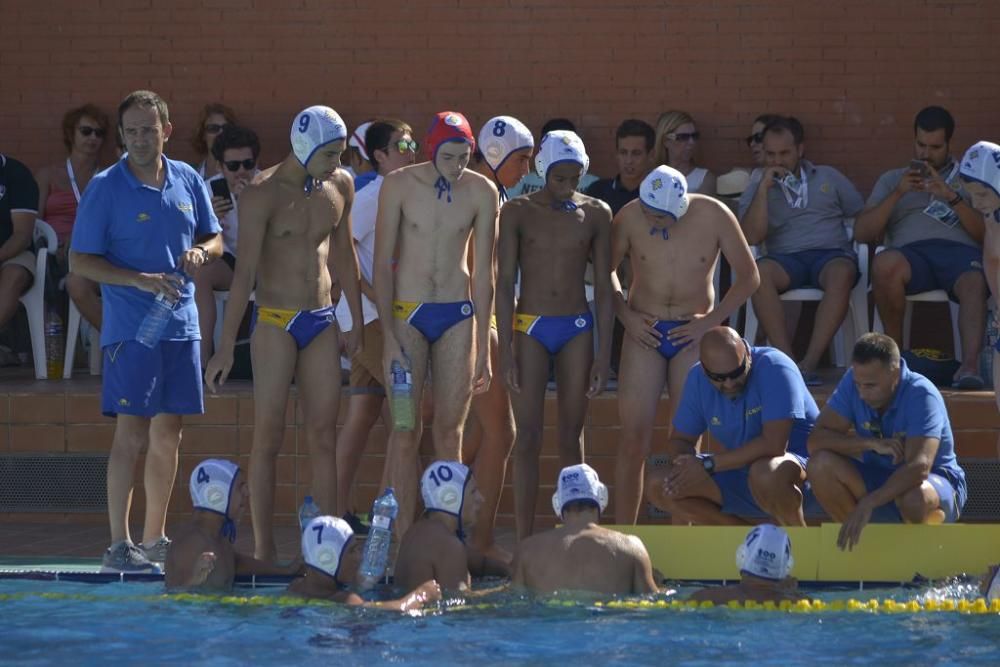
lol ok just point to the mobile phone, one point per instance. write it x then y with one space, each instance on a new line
220 188
919 166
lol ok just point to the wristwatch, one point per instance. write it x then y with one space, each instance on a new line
707 462
204 253
956 201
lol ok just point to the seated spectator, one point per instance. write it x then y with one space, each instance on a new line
580 555
933 238
799 208
60 188
733 183
755 140
533 182
899 463
18 210
753 402
676 143
236 149
634 142
765 562
356 159
211 120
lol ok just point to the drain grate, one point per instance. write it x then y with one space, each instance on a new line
53 483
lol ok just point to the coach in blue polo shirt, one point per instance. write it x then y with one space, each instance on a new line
753 401
142 225
899 464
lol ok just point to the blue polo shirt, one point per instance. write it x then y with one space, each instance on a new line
916 410
773 391
138 227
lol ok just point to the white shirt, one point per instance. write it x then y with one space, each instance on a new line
363 216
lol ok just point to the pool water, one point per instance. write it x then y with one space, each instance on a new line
87 624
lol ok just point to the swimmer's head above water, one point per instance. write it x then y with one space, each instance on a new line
980 173
448 487
216 486
329 548
579 483
766 553
319 137
562 161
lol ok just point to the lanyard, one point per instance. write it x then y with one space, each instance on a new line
798 198
72 179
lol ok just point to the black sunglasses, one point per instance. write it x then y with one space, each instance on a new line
214 128
731 375
684 136
234 165
87 131
755 138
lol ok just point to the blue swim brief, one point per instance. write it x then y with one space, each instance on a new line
432 319
553 331
874 476
803 268
146 382
303 325
666 348
938 264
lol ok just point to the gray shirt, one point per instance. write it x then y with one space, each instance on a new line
818 226
907 221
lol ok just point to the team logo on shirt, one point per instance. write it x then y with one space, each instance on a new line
123 403
752 411
873 427
715 421
186 207
825 188
143 217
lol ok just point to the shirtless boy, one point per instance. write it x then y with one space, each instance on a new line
548 236
201 555
581 555
294 225
428 212
673 240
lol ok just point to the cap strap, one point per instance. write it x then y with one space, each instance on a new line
443 186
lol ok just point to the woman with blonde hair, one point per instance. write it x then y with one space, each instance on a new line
676 143
212 119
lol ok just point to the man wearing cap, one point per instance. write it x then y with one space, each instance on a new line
799 208
754 403
428 213
358 162
899 463
673 240
393 147
580 555
548 237
333 557
295 225
765 562
201 555
933 238
634 142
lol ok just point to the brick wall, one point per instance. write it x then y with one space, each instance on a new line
855 71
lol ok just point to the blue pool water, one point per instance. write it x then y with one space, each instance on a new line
85 624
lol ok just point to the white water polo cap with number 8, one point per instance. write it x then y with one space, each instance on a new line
766 553
501 137
443 487
664 191
324 541
314 128
579 482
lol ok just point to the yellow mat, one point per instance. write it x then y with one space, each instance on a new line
887 552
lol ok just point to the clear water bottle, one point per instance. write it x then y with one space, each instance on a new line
156 320
401 398
55 344
986 356
307 512
376 556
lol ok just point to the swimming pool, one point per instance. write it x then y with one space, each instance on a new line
85 624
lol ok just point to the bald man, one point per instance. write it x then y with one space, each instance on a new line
760 470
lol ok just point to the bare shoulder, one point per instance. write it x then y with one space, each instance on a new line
703 205
628 214
596 209
342 183
403 177
480 185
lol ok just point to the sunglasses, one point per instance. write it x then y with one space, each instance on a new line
402 146
87 131
755 138
684 136
234 165
214 128
731 375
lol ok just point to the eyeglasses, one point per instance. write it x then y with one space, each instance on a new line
234 165
87 131
214 128
684 136
755 138
731 375
403 145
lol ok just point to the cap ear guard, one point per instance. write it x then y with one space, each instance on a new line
501 137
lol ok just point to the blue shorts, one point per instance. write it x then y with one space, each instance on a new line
803 268
554 331
936 264
302 325
432 319
666 348
146 382
874 476
738 500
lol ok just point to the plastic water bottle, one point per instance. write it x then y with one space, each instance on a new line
401 397
307 512
55 344
156 320
376 555
986 356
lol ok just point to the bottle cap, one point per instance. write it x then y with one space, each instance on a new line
308 499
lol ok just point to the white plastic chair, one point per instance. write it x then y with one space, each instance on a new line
72 332
34 299
856 322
